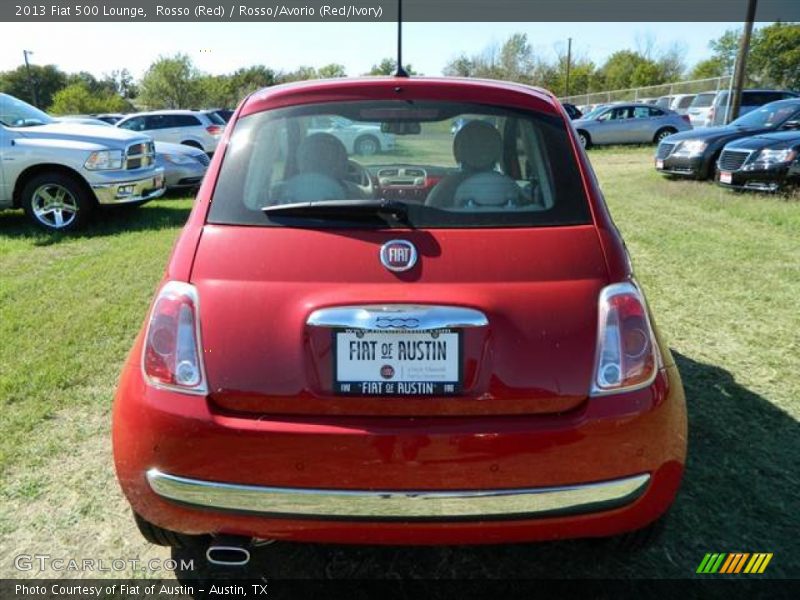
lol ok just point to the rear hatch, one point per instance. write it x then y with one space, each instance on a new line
538 289
304 312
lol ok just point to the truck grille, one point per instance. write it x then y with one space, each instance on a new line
140 156
664 150
732 160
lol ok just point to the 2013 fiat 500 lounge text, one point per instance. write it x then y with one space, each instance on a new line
438 343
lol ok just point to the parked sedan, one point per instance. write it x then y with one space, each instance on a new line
694 153
628 124
184 166
767 163
473 362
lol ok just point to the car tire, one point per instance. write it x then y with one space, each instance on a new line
193 144
367 145
585 139
662 133
164 537
57 201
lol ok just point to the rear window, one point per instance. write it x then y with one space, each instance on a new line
450 164
703 100
685 101
215 118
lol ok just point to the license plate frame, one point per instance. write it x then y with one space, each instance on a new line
399 383
726 177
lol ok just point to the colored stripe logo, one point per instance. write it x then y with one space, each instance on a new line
734 562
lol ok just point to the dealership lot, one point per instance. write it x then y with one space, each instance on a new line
721 270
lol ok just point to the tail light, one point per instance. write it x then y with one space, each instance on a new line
686 118
171 357
214 129
710 117
627 355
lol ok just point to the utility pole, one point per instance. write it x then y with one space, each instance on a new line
31 82
569 60
741 59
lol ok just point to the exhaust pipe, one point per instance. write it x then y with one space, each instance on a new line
228 551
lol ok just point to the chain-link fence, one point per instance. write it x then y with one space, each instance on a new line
652 91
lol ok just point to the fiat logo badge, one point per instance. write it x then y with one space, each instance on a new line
398 255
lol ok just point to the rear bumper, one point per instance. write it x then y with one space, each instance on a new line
610 466
382 505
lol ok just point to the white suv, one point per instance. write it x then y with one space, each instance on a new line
201 129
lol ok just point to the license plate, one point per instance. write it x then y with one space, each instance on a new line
725 177
659 164
158 181
397 363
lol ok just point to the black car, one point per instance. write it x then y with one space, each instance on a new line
694 153
769 162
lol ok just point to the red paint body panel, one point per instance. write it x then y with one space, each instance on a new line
523 420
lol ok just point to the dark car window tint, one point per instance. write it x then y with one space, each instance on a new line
184 121
501 168
656 112
155 122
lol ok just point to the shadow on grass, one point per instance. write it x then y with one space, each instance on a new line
739 495
106 221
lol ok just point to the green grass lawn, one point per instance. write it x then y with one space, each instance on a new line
722 273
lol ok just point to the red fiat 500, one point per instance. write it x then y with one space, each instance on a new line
436 340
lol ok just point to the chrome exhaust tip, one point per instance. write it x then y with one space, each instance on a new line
228 553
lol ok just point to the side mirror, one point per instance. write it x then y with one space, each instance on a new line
792 125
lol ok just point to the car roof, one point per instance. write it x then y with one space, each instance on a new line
454 89
166 111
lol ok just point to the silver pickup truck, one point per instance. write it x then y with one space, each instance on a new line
59 172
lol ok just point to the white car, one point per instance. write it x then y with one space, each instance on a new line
201 129
364 139
681 102
700 108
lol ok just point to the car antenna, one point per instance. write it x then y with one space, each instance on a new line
401 72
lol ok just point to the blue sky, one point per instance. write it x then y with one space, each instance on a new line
223 47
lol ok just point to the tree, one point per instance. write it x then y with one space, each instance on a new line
775 56
331 71
388 66
461 66
617 72
708 68
48 78
171 82
121 82
77 98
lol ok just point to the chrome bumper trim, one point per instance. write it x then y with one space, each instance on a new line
404 505
417 317
134 190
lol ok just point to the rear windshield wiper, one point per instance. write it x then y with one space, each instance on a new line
338 209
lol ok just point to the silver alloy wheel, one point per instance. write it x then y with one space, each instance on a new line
54 205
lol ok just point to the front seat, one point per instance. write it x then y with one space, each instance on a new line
477 148
322 168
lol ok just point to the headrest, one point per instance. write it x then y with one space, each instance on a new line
478 146
322 153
